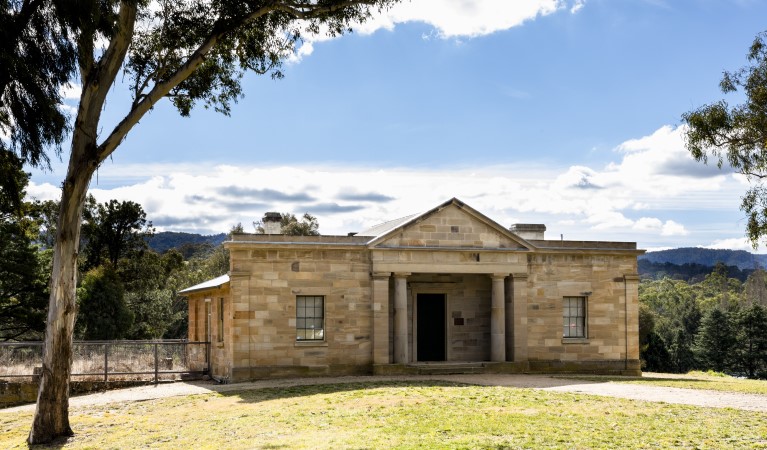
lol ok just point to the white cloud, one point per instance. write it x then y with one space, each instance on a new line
581 202
671 228
450 18
731 244
71 91
577 6
462 18
648 224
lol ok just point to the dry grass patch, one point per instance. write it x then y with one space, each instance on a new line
428 414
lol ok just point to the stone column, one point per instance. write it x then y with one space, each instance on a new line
400 318
498 320
520 317
381 351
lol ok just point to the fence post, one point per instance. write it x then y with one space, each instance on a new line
156 364
106 363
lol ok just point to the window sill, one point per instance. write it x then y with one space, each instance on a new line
311 344
575 340
219 345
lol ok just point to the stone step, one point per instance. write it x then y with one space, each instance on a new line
447 368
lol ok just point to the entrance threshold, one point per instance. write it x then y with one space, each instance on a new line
450 368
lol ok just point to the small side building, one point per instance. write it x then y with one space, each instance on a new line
447 286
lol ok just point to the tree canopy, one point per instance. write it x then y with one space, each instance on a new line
190 52
291 226
113 230
37 58
23 287
737 135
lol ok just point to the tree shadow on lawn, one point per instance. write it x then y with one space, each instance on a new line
257 394
264 394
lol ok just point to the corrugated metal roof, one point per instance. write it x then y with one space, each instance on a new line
210 284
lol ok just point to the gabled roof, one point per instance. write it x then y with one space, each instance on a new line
206 285
383 228
389 229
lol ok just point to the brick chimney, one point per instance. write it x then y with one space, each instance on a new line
271 223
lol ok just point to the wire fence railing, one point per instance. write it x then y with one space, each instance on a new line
111 360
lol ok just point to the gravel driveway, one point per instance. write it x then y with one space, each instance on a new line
695 397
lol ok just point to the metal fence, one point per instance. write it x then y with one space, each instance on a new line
115 360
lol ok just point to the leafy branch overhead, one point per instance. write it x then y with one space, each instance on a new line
192 52
737 135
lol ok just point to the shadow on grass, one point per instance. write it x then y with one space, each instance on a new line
264 394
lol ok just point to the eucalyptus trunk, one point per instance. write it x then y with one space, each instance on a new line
51 418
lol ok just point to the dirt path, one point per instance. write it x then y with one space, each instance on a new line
715 399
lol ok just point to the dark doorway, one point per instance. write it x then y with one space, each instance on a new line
431 327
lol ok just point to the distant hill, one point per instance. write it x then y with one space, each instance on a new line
690 272
165 240
707 257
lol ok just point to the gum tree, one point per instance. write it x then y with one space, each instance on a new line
737 135
190 52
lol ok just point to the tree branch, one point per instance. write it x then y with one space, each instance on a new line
160 90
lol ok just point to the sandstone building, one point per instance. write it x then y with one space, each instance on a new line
448 289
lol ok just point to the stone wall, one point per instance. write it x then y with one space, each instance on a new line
452 227
610 317
220 339
264 286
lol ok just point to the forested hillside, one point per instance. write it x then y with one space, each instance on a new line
166 240
707 257
690 272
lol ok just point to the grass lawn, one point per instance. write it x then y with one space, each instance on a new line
692 380
385 415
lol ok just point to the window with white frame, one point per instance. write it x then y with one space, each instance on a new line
574 317
310 318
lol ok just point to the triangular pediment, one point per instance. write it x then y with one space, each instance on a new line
451 225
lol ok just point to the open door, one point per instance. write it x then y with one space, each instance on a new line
431 327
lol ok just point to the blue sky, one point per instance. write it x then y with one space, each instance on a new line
539 111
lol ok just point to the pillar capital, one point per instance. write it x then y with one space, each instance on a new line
401 274
499 275
380 274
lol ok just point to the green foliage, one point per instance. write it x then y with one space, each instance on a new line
737 135
290 225
717 290
750 353
37 58
715 324
23 287
114 230
690 272
655 355
755 288
187 243
147 295
13 181
103 313
715 341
